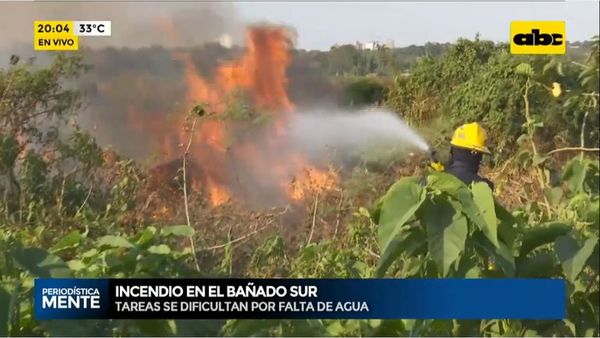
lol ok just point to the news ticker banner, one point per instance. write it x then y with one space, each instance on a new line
64 35
299 298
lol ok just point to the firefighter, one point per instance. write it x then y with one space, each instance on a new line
466 152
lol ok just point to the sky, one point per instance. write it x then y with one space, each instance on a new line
318 25
322 24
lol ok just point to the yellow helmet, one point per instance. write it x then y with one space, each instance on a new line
470 136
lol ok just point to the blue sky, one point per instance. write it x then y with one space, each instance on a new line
321 24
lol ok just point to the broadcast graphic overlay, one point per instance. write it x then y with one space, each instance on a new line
538 37
344 169
64 35
57 298
299 298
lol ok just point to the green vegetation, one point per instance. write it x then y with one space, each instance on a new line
445 229
479 81
362 91
71 208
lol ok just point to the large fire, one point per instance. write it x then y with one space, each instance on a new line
236 159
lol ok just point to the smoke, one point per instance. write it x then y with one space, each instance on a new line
134 24
321 132
135 68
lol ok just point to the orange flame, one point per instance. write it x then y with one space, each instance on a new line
311 179
261 74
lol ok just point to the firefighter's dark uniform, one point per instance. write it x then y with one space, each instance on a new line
464 164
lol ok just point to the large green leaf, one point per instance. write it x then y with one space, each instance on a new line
114 242
177 230
375 210
553 195
454 187
71 240
574 173
524 69
400 203
145 236
161 249
447 230
537 236
408 241
573 256
482 195
502 255
508 226
40 263
445 182
391 253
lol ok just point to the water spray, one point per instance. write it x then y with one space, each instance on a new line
352 133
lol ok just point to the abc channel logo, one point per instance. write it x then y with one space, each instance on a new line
538 37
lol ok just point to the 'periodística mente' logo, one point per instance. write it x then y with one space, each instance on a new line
66 298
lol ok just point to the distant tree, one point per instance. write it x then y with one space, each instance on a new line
343 60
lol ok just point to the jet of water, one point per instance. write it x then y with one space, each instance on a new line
352 132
